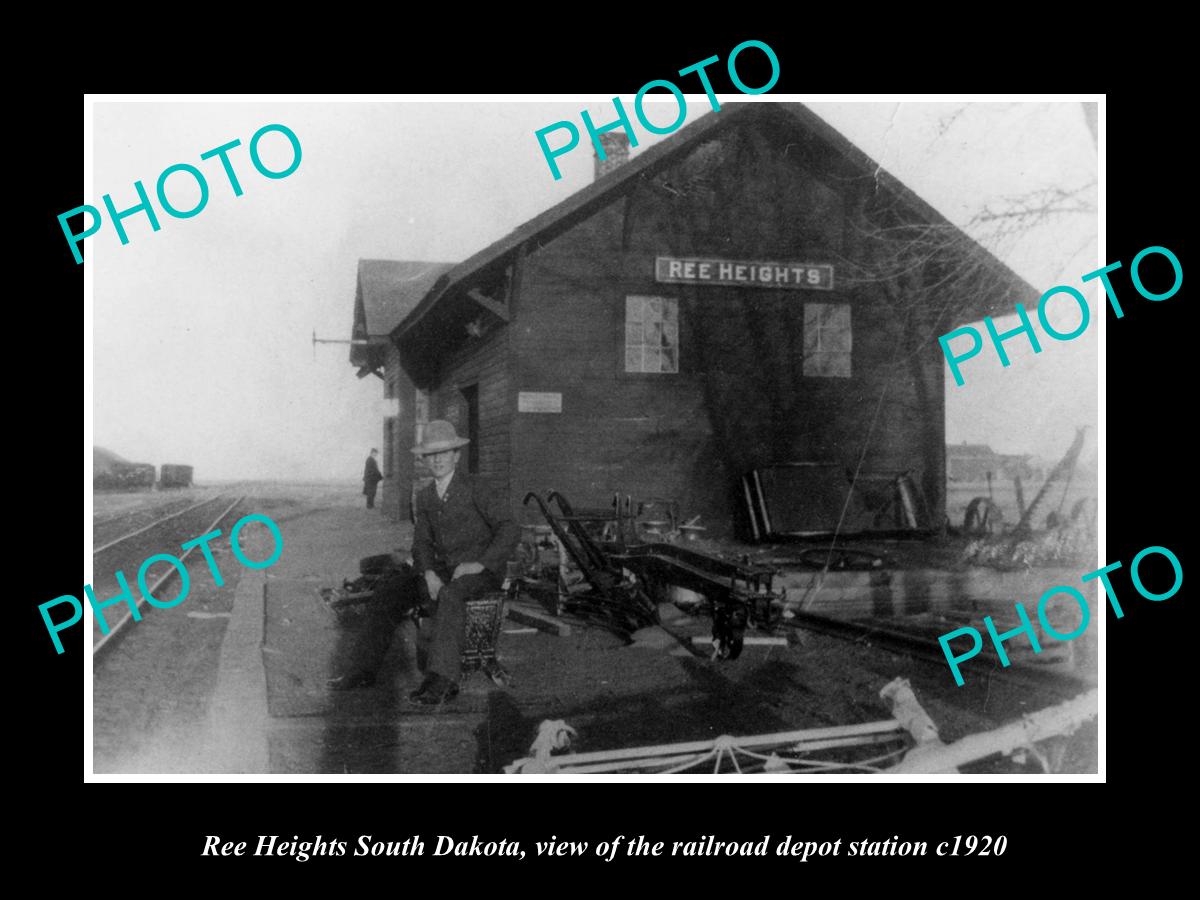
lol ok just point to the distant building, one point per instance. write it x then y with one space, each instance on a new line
974 462
696 312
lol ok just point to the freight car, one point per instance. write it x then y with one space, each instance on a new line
173 476
125 476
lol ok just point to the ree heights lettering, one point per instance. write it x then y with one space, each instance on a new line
810 276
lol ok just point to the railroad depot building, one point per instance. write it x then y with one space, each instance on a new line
752 290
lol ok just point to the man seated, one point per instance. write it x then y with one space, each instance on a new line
463 538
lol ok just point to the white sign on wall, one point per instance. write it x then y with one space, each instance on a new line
534 402
744 272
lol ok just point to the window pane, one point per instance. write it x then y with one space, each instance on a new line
827 340
633 359
812 331
836 340
836 333
844 326
651 334
816 364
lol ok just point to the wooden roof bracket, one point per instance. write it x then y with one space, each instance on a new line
495 308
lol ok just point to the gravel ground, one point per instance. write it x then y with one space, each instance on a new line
817 681
151 687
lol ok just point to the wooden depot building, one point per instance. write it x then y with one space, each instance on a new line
751 290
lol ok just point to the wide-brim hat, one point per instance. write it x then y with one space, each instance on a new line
439 436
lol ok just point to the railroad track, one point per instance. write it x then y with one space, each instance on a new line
219 501
96 551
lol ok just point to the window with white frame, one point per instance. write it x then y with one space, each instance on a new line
827 340
651 334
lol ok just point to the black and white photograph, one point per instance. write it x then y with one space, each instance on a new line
533 437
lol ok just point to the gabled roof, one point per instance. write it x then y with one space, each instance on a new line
584 202
388 290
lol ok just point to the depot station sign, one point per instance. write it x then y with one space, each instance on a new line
743 273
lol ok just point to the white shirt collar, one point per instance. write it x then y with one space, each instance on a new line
441 484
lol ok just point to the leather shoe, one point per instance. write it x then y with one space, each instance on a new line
351 681
433 690
493 670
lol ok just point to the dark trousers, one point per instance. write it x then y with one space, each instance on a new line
370 492
449 623
395 597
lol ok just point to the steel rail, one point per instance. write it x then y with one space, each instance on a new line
113 632
98 550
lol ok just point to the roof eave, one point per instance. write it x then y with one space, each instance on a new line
579 205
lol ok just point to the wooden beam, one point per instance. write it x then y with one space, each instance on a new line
496 309
932 757
627 218
518 279
535 618
839 735
700 640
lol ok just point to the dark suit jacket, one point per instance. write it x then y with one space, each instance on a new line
471 524
371 474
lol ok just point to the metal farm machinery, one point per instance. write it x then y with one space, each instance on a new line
623 575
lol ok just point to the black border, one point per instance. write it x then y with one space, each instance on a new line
1148 455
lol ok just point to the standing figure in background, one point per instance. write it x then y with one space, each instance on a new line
371 478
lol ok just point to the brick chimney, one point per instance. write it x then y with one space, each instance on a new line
616 152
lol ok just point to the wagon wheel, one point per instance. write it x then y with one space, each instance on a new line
983 517
729 630
733 648
727 642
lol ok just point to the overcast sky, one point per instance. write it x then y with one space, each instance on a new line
203 330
